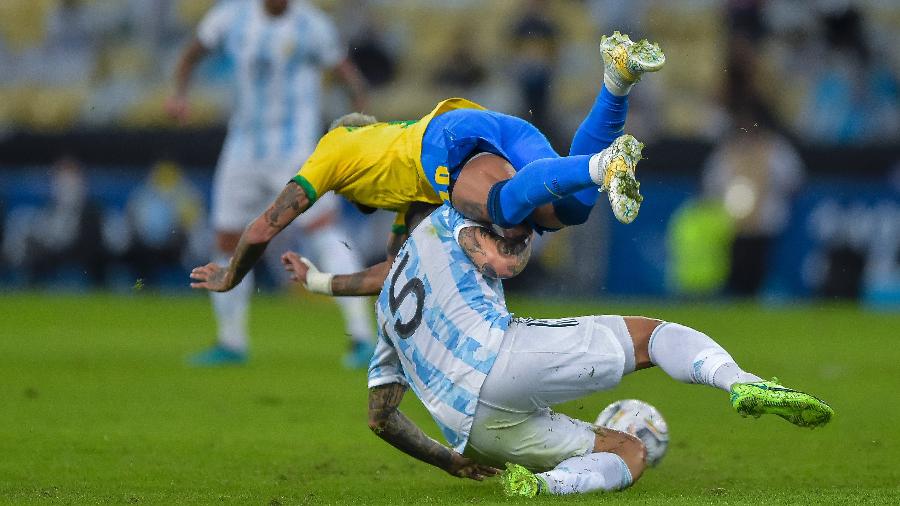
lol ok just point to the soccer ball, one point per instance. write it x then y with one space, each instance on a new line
640 419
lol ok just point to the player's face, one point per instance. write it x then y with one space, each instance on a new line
276 7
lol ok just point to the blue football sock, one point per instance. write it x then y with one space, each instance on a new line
538 183
602 125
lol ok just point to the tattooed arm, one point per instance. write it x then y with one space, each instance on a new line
495 256
388 423
290 203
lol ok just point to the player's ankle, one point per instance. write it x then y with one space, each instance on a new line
617 86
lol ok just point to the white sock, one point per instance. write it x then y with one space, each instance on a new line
357 313
618 87
594 471
337 255
691 356
231 312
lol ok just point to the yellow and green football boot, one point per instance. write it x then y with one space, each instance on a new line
625 61
768 397
518 481
613 169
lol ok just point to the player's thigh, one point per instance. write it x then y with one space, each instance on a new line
538 440
473 182
523 143
542 363
238 195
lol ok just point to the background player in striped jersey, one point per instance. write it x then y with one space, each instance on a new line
280 49
489 379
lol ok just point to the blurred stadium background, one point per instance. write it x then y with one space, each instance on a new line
774 131
771 178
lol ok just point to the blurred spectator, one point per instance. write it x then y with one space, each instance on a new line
162 214
462 71
699 239
754 172
855 98
62 242
535 38
369 49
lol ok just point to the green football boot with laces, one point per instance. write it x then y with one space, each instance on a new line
624 61
518 481
613 169
769 397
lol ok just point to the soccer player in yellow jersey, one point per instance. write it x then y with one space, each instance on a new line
492 167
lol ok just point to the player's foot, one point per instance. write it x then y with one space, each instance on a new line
518 481
768 397
625 61
613 169
217 355
359 356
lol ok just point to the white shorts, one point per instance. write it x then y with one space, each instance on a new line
244 188
543 363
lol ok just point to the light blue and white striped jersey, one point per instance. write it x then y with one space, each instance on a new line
441 324
278 63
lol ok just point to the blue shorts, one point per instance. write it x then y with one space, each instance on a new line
452 137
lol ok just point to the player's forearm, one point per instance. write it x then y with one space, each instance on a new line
290 203
355 82
391 425
186 64
246 254
367 282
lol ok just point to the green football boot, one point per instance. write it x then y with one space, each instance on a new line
518 481
613 169
624 61
769 397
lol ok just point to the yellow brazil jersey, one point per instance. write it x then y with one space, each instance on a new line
378 165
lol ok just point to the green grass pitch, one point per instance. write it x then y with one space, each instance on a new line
97 407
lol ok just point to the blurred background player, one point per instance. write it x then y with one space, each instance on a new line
280 49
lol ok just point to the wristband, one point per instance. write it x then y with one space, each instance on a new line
319 282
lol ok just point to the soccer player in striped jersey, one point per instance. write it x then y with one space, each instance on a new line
280 49
489 379
492 167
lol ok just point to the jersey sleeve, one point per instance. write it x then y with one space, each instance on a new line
319 174
399 227
385 367
458 222
214 26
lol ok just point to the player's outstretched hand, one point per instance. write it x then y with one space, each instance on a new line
306 273
210 277
295 264
463 467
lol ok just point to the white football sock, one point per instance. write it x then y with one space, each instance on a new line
335 255
231 312
357 313
618 87
691 356
594 471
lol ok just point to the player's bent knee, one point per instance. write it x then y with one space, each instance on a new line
628 447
